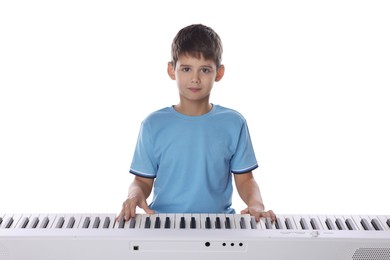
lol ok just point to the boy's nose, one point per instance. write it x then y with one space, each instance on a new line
195 79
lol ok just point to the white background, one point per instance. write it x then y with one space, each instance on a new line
311 78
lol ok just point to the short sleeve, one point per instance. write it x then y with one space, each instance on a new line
144 163
244 159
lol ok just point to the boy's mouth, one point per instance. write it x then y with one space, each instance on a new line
194 89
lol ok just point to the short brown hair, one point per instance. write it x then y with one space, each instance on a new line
196 40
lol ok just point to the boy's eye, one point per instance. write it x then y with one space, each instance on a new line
205 70
185 69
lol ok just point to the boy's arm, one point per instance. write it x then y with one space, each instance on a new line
250 193
139 191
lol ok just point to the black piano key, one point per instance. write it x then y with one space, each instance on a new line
375 223
44 223
217 223
167 223
329 223
147 222
388 222
350 224
304 224
157 223
253 223
71 222
132 223
208 223
182 222
8 222
193 223
23 222
34 222
96 223
268 223
288 223
340 224
278 224
1 220
242 223
122 222
366 225
87 220
227 223
60 222
106 223
314 224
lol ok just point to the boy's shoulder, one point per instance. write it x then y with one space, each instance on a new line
228 112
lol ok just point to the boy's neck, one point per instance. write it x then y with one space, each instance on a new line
193 109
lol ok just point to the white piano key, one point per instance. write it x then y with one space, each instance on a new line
7 221
261 224
279 223
357 220
59 221
23 221
16 219
297 221
322 220
10 221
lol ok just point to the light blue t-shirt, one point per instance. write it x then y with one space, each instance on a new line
192 158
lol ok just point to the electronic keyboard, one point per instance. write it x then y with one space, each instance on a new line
193 236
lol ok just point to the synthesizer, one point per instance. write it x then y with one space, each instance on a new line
193 236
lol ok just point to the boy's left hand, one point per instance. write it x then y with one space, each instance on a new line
258 213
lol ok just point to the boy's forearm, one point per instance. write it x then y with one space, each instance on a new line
252 196
140 186
249 191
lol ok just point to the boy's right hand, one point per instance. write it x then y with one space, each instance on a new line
129 207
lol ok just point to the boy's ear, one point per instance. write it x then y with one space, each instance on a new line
171 71
220 73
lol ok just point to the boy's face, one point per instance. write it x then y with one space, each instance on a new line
195 77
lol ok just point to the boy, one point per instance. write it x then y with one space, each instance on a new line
188 151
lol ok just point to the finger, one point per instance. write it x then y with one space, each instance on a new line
131 211
245 211
272 215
